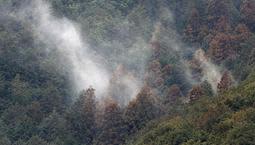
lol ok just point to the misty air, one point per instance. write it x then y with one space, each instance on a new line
110 72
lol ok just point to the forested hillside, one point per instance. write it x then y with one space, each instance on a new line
135 72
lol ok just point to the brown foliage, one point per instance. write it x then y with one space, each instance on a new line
193 26
226 82
141 110
173 93
195 93
155 45
112 125
223 25
242 32
154 76
81 117
223 46
248 13
121 85
167 69
196 70
215 10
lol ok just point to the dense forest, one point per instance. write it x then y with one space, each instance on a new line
135 72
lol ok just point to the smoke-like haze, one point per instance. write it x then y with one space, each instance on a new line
156 32
211 72
85 66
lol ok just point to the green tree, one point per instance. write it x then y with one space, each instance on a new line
21 92
141 110
241 135
5 141
53 127
207 88
36 140
81 117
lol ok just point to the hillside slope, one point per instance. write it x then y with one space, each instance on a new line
170 72
227 119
